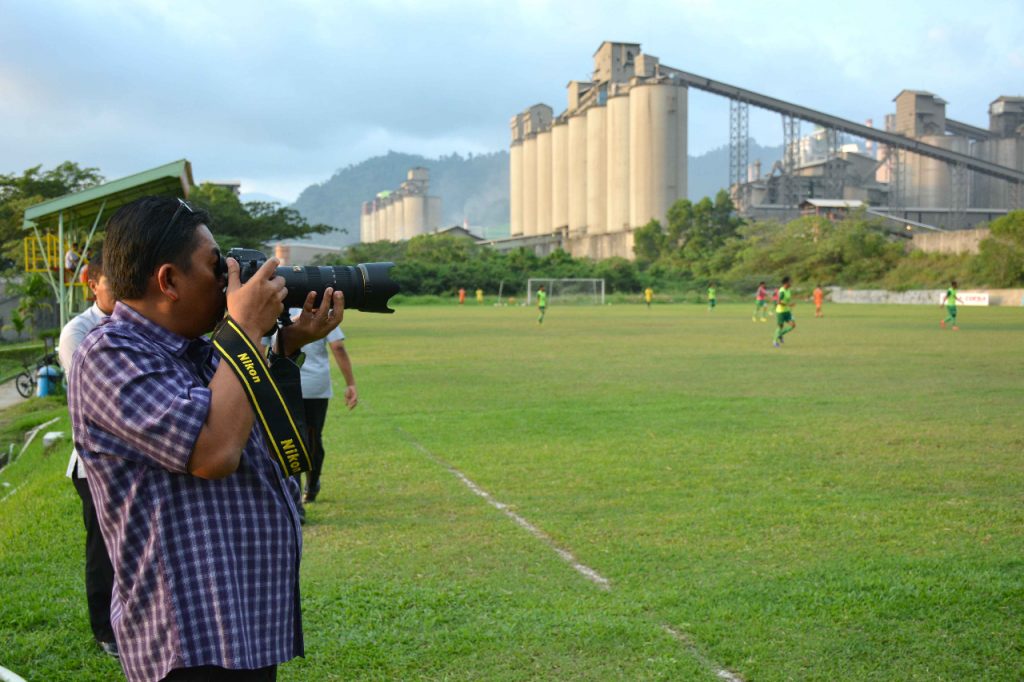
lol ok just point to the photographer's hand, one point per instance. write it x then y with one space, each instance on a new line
313 323
256 304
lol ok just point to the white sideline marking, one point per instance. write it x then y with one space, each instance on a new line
7 676
685 640
9 494
567 556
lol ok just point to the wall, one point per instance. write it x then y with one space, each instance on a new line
961 241
1000 297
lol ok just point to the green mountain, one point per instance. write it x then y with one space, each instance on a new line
473 188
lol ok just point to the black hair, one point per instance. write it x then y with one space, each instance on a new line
136 232
95 266
785 280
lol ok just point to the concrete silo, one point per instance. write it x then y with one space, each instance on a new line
400 226
989 192
559 175
433 213
543 219
414 213
577 172
932 179
530 184
657 149
617 212
515 207
1006 123
597 170
386 213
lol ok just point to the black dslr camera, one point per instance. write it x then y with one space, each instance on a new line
367 286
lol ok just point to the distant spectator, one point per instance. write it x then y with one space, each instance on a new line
99 574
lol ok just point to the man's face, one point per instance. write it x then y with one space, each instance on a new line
202 298
104 296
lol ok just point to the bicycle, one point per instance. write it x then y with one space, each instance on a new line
26 381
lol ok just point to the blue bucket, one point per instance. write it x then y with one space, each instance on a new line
47 379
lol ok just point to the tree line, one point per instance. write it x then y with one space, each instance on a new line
699 242
707 241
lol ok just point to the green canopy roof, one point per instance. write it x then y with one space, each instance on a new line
81 208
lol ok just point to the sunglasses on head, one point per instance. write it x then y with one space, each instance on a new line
182 206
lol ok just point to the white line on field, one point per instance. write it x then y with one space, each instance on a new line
12 492
7 676
684 639
567 556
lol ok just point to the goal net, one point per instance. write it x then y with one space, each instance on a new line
567 291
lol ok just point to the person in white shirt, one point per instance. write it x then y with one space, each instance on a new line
317 392
99 574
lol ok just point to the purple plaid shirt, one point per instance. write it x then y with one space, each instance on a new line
206 572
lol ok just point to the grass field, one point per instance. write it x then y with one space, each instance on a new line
848 507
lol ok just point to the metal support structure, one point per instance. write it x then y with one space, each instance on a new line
975 164
833 165
959 191
790 160
64 290
1016 195
897 178
739 147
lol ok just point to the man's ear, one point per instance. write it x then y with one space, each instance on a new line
167 278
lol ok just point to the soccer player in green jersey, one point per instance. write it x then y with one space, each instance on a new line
783 313
950 301
542 303
711 296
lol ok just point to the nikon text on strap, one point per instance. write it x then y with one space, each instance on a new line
283 425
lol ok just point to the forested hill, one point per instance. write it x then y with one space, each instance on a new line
473 187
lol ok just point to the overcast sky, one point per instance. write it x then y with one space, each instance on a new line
280 95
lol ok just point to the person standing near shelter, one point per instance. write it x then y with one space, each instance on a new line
317 393
783 313
542 303
819 298
648 296
950 300
99 573
203 536
761 303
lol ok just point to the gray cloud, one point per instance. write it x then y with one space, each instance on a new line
284 94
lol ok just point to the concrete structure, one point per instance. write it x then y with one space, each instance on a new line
617 157
577 180
1006 147
302 253
597 171
617 160
560 175
544 185
401 214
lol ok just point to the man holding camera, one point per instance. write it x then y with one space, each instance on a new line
202 533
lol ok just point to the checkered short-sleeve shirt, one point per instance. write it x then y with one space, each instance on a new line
206 572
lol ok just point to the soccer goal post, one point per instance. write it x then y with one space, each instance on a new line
578 290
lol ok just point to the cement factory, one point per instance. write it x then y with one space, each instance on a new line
617 158
403 213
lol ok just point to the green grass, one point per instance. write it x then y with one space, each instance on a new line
848 507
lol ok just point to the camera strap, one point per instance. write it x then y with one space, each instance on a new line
270 390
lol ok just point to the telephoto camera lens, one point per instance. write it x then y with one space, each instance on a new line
367 286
